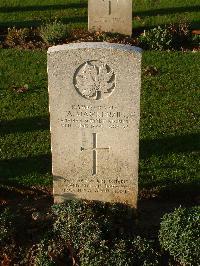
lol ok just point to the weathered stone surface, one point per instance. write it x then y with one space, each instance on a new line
110 16
94 94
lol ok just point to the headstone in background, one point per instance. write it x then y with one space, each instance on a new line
94 95
110 16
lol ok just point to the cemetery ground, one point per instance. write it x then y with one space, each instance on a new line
169 148
169 141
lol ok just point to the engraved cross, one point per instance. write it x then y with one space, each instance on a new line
94 152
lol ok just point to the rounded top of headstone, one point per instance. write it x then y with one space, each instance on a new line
95 45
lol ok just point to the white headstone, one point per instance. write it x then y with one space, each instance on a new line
110 16
94 95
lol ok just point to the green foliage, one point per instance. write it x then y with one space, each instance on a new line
43 259
76 223
180 235
50 251
80 232
93 254
166 38
54 33
196 40
145 253
156 39
91 221
138 252
6 225
104 254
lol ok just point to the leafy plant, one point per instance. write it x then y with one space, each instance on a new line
54 32
80 235
18 36
94 254
180 235
75 223
156 39
196 40
145 253
181 35
52 251
167 37
6 228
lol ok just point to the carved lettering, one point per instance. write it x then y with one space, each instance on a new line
86 116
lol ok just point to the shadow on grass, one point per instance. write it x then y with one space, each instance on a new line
170 187
174 144
154 12
81 22
16 168
38 22
15 192
187 192
138 29
8 9
182 191
24 125
167 11
13 169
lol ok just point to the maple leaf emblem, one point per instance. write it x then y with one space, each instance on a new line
95 82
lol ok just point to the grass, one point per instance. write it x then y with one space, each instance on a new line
34 13
169 141
25 142
169 123
149 13
153 13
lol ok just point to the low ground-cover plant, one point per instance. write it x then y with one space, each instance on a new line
196 40
181 35
78 235
172 37
21 36
58 33
80 231
7 235
156 39
52 250
6 225
180 235
54 32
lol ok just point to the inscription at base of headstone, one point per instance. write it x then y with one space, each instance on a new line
110 16
94 96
